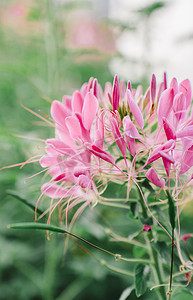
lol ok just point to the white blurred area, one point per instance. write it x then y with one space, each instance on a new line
162 42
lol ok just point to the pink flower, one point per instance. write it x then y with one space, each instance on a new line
95 132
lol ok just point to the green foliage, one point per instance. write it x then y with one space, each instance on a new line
148 10
142 275
172 212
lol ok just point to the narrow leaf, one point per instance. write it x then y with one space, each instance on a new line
42 226
142 275
172 212
24 201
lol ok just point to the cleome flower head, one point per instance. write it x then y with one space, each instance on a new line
120 135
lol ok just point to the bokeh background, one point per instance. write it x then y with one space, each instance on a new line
49 48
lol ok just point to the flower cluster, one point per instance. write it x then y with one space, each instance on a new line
119 135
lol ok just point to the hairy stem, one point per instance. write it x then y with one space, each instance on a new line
157 269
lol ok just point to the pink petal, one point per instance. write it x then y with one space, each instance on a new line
60 177
138 92
185 88
54 191
167 165
56 147
84 181
187 160
59 112
118 137
153 88
84 89
187 131
165 105
153 177
131 145
90 84
135 110
167 157
67 101
80 170
74 127
166 147
174 85
89 110
101 154
98 141
169 130
49 161
77 102
100 124
130 129
122 89
115 93
179 106
160 90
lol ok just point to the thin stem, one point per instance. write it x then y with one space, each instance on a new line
153 254
171 269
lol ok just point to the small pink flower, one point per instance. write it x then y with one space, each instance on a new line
146 228
185 237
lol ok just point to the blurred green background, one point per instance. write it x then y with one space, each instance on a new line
47 51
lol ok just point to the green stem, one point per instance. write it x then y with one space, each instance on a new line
171 269
153 253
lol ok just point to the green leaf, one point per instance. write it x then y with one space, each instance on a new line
42 226
134 206
126 293
148 10
190 288
142 275
162 249
172 212
139 252
24 201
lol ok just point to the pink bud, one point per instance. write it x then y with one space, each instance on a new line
185 237
135 110
115 93
153 88
165 81
147 228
